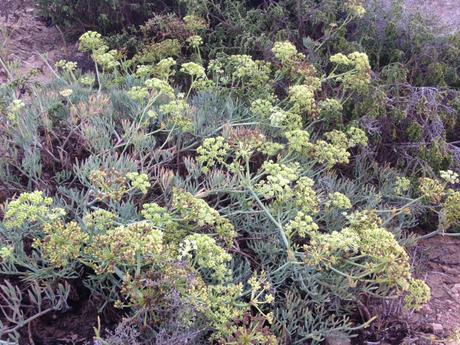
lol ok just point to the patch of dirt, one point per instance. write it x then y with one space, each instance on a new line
24 36
438 263
73 327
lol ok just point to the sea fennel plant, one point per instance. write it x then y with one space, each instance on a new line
249 227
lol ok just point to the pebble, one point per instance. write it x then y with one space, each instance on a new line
436 328
337 341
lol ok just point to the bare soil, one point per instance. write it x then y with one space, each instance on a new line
28 43
438 263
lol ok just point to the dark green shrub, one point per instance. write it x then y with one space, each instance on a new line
106 16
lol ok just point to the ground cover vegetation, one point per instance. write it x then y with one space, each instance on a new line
228 172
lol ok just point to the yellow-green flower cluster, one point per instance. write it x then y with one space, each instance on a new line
29 208
6 253
213 151
113 184
449 176
431 190
195 210
67 66
299 141
93 42
305 197
108 59
358 75
195 41
175 108
108 184
205 254
262 108
138 94
16 106
193 69
387 261
356 136
450 213
139 181
419 293
240 74
328 250
261 295
337 138
217 68
270 148
221 304
144 71
243 66
160 86
330 154
14 109
355 8
252 76
176 115
62 244
338 200
285 119
87 80
125 245
194 23
353 137
66 93
163 69
158 216
285 51
330 108
277 184
302 98
99 221
302 225
402 185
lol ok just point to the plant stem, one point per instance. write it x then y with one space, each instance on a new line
284 239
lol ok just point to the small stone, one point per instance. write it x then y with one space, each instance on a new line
426 309
436 328
337 340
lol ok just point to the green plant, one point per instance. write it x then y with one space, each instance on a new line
107 16
167 217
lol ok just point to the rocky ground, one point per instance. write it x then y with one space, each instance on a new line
438 263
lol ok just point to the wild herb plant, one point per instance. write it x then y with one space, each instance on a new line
221 205
234 200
